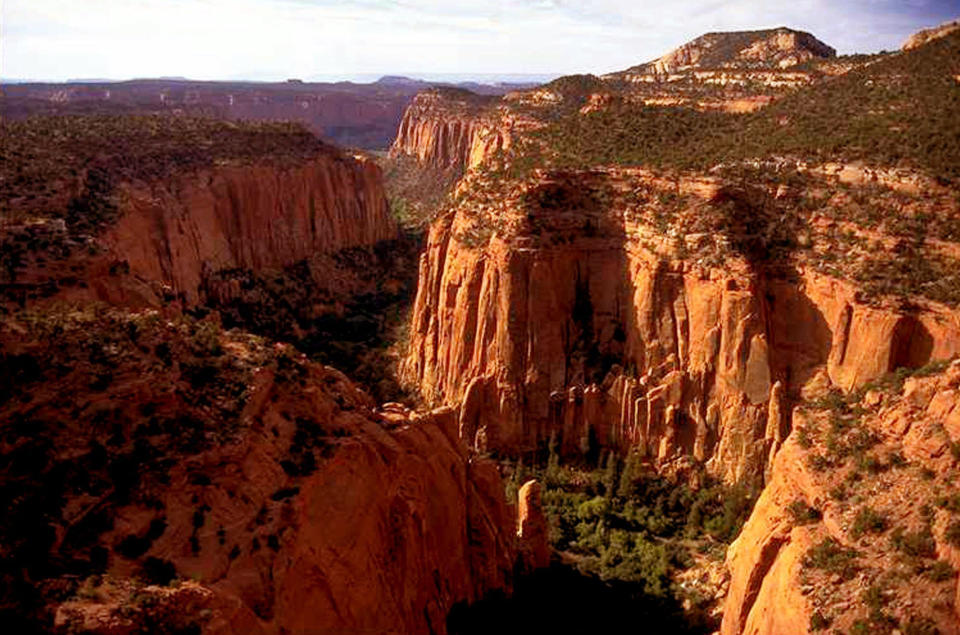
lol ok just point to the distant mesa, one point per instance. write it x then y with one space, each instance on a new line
772 49
399 80
926 35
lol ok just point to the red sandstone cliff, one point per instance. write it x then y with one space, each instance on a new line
812 557
576 318
456 130
248 217
172 234
274 485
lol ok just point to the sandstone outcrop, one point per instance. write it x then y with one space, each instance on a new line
920 38
532 529
455 130
778 48
312 512
178 233
828 534
570 321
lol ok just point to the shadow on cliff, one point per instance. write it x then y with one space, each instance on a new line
560 599
345 310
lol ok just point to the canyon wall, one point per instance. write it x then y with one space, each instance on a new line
447 132
273 484
313 512
581 325
807 557
258 217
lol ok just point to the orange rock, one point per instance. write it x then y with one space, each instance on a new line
920 38
773 589
532 528
514 330
382 529
176 233
445 130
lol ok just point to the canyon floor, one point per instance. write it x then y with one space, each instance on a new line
677 347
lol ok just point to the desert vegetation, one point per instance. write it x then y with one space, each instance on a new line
637 532
851 457
895 112
45 159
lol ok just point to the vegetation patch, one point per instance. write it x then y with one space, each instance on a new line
832 557
632 529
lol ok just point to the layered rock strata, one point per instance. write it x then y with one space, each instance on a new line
168 236
455 131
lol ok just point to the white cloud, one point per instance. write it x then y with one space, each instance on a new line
262 39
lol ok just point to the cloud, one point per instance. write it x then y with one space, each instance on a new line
275 39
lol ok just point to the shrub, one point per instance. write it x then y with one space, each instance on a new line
918 544
940 571
817 462
831 556
802 513
839 493
805 437
952 534
920 626
818 622
868 520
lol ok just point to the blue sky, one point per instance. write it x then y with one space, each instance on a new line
277 39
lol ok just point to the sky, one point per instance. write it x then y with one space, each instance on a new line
326 39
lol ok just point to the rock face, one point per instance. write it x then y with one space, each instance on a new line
176 233
446 130
532 530
571 323
776 49
920 38
784 580
312 512
273 483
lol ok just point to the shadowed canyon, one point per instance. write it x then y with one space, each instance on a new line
676 345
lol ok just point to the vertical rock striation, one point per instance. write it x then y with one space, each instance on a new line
585 331
179 231
454 130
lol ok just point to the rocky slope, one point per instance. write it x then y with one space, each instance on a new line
925 36
730 72
858 529
772 49
140 447
187 452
